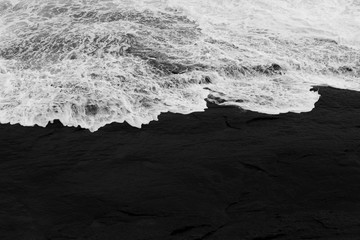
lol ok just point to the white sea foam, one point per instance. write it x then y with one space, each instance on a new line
89 63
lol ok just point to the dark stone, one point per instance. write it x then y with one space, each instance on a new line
268 70
345 69
207 175
315 89
258 119
73 56
207 79
276 67
215 99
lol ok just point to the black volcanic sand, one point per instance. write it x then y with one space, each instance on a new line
222 174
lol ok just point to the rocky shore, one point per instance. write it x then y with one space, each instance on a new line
220 174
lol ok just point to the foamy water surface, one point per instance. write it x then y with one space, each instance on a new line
89 63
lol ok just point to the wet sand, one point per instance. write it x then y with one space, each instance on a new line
221 174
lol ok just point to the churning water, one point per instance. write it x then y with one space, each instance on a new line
92 62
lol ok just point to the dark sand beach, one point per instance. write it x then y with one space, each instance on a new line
221 174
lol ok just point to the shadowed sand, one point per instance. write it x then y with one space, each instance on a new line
222 174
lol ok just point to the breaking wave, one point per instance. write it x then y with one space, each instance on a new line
89 63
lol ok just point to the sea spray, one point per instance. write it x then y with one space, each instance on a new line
91 63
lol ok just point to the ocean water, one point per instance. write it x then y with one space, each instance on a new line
92 62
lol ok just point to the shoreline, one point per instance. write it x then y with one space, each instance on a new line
220 174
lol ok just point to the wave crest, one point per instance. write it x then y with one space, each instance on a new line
99 62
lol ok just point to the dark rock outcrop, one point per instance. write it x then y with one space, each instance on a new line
221 174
